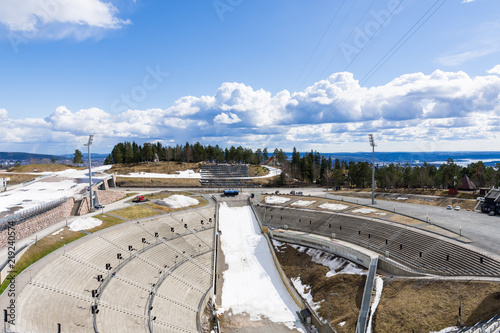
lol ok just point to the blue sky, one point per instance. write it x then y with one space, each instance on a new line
258 73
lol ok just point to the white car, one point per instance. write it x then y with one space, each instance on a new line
449 207
457 208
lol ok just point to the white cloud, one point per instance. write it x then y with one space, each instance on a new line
495 70
58 18
226 118
427 111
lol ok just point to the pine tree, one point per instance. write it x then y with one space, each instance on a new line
78 158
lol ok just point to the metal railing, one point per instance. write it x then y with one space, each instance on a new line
26 214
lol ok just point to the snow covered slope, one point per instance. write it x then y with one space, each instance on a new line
252 284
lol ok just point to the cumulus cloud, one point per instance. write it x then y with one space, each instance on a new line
495 70
58 18
226 118
420 109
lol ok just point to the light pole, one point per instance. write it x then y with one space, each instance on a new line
329 310
91 137
372 143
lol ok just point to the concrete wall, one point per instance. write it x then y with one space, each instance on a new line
337 247
39 222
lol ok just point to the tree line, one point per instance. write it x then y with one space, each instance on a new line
312 167
131 152
315 168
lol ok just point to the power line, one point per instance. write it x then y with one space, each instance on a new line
345 40
382 61
423 17
344 19
317 45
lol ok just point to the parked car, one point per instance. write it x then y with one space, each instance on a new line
99 207
140 198
292 192
299 193
449 207
277 192
457 208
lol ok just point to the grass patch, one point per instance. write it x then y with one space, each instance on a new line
135 212
426 306
39 250
160 167
43 168
257 171
107 221
16 178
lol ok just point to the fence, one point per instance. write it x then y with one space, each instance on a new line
26 214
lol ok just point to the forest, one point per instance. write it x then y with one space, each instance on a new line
314 168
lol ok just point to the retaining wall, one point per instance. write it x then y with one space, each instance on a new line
39 222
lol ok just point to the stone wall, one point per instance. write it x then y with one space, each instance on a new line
39 222
107 197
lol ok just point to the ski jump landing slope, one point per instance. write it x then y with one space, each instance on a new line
252 284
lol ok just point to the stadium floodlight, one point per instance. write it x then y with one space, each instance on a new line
88 144
372 143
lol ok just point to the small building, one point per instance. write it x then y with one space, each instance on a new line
467 184
3 184
491 202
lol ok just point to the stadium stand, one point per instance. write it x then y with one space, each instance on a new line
418 249
157 285
225 176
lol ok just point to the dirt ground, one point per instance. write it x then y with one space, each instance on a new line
425 306
242 324
345 307
430 201
406 304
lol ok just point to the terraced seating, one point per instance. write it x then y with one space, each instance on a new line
417 248
52 306
63 288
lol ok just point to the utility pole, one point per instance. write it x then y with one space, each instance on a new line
372 143
91 137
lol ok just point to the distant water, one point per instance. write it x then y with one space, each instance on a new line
417 158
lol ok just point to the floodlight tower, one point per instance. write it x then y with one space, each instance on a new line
372 143
91 137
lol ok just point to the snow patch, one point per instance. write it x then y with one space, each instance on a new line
332 206
178 201
29 196
337 265
379 285
364 210
84 223
305 292
180 174
276 200
447 330
303 203
401 198
57 232
252 284
342 323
